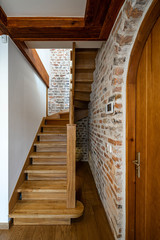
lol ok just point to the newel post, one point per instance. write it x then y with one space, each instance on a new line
71 165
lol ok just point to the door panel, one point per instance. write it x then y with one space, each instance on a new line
148 139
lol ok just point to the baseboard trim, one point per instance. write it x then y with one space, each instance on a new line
6 226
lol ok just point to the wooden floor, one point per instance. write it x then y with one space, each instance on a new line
92 226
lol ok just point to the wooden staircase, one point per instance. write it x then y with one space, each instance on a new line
46 188
47 196
82 77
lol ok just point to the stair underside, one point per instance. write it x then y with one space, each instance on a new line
44 212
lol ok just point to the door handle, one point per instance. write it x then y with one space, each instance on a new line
137 164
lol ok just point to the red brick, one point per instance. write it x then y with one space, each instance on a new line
119 106
132 12
118 71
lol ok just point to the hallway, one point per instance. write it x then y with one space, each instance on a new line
92 226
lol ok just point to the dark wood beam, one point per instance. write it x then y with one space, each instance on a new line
44 22
96 11
111 16
34 59
97 24
51 33
3 22
57 39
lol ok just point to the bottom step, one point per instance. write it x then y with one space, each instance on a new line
44 212
41 221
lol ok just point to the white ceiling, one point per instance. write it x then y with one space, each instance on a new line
44 8
63 44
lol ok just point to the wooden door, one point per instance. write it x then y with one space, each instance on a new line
148 139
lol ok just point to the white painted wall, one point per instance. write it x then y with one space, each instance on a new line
27 106
3 132
22 106
45 55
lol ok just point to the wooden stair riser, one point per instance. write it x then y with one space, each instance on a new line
54 130
82 96
64 116
53 138
83 87
41 221
49 161
56 122
44 196
51 149
46 176
84 75
85 61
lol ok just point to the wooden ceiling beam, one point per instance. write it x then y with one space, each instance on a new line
57 39
44 22
34 59
111 16
3 22
96 12
52 33
96 25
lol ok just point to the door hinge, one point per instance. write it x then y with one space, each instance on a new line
137 164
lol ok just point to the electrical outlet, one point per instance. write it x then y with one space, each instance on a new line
4 38
109 108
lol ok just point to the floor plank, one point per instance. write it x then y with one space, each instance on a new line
92 225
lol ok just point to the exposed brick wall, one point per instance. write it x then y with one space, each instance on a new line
107 132
58 96
58 92
82 139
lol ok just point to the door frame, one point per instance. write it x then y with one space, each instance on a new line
142 36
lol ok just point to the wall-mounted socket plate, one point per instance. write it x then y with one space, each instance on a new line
110 108
4 38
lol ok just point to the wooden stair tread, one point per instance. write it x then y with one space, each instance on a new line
43 186
51 143
56 119
48 155
46 169
46 209
49 161
52 133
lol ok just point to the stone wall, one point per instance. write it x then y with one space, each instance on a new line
82 139
58 92
107 132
